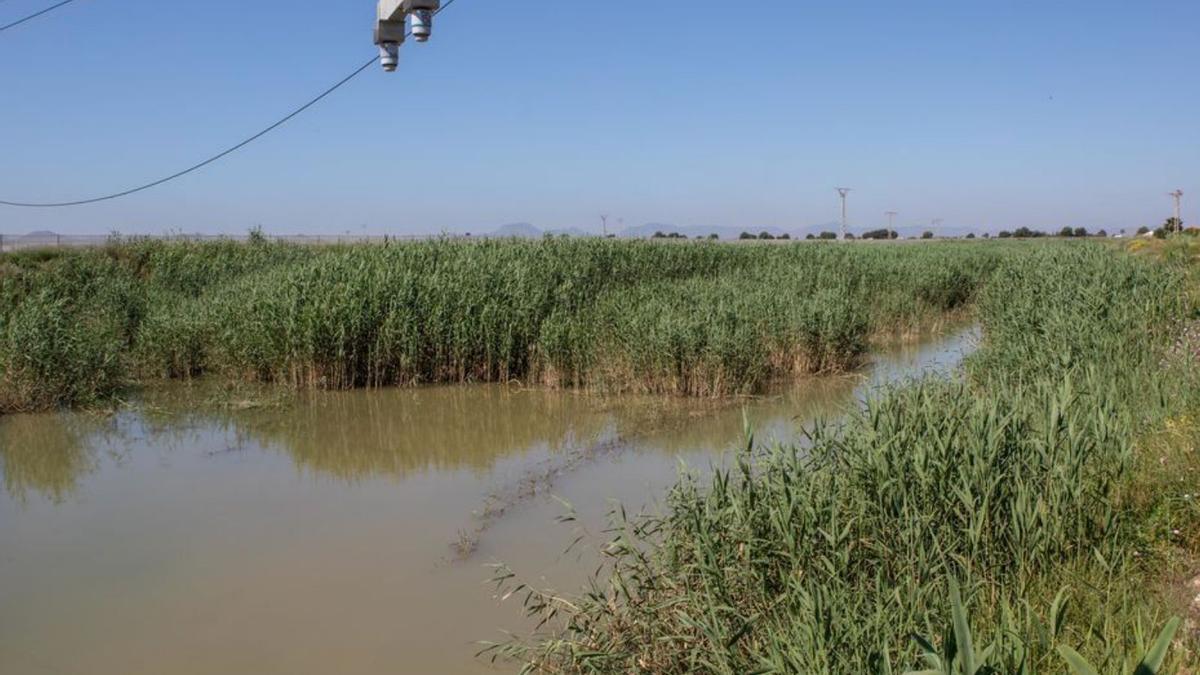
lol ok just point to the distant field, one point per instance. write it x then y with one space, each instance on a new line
49 240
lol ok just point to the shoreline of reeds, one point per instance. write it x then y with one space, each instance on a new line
704 319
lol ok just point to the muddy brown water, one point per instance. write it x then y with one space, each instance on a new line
319 537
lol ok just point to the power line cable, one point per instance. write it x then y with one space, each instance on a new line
35 15
196 167
210 160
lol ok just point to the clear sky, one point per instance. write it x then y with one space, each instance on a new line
742 114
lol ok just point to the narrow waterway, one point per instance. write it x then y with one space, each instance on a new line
342 533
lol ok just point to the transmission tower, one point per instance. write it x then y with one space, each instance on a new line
843 192
1178 195
891 216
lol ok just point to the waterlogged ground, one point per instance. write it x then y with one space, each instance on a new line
344 533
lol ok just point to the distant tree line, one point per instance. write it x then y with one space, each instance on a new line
1027 233
881 234
764 235
714 236
1170 226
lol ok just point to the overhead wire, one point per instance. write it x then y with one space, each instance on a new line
35 15
224 153
206 162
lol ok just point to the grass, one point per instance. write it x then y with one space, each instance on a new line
1039 484
702 319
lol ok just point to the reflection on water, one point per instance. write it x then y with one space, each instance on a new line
397 432
358 435
312 537
47 457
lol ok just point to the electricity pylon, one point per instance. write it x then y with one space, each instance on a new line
843 191
1178 195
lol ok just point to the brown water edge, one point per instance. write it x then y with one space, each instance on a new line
176 538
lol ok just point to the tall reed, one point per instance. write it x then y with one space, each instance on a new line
1023 481
696 319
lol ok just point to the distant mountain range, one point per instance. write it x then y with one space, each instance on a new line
527 231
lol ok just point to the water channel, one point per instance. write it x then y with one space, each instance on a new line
344 532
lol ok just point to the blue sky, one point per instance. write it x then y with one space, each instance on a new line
988 114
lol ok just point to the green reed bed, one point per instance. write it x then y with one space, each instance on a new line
710 337
1027 483
694 319
63 330
70 321
611 314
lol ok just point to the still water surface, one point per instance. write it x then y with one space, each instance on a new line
319 537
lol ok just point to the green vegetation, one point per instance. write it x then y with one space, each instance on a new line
1054 484
880 234
63 334
1039 504
698 318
